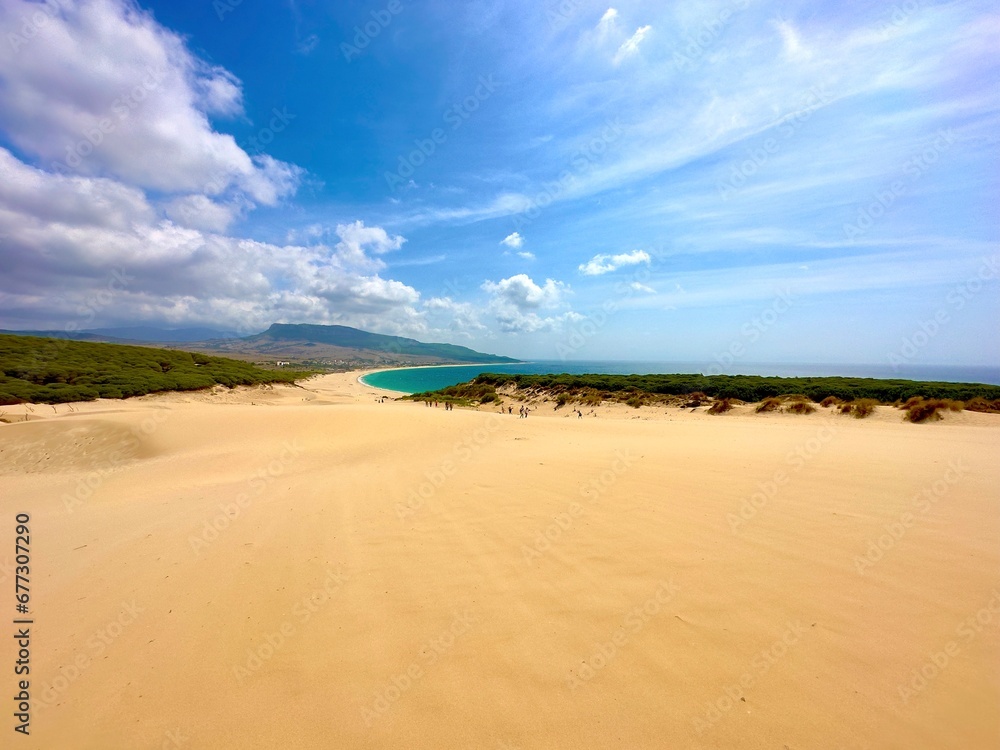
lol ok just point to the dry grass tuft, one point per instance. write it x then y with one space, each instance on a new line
861 408
980 404
923 410
721 406
769 404
800 407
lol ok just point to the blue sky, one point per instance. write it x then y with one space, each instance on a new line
715 181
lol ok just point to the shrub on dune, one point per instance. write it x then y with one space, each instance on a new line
830 401
721 406
801 407
980 404
924 410
860 408
768 404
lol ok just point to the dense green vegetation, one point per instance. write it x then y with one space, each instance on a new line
52 371
639 389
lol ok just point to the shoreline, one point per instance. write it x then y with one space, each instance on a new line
365 373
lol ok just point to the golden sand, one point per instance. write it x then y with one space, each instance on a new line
309 568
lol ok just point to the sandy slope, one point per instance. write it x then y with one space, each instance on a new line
313 569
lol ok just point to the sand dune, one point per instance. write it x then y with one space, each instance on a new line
308 568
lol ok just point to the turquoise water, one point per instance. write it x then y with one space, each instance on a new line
419 379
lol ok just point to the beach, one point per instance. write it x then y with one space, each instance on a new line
311 567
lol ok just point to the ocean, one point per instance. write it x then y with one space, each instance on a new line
419 379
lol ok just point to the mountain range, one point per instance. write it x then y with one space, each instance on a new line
298 344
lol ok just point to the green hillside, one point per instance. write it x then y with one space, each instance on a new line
53 370
353 338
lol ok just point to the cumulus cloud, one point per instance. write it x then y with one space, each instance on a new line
601 264
523 293
101 89
526 255
201 212
75 234
357 240
514 240
516 303
460 318
631 45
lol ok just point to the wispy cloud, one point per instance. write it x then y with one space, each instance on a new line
601 264
631 46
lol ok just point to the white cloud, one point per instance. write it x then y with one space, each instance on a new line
103 90
524 293
356 240
631 46
201 212
526 255
793 46
609 18
72 233
636 286
461 318
601 264
514 240
515 302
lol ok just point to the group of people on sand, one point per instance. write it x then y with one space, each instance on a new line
448 406
523 411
